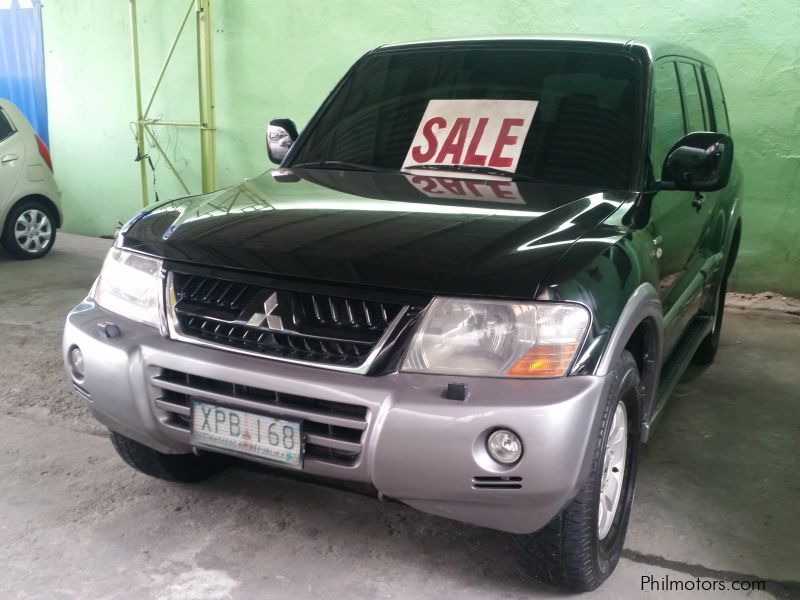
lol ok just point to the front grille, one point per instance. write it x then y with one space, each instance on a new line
319 328
333 431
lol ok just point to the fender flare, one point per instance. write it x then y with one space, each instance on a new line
643 305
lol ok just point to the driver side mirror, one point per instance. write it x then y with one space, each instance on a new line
699 162
281 134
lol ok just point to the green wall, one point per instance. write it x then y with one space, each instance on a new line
281 59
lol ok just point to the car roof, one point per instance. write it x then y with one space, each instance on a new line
653 47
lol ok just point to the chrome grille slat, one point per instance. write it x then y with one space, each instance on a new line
315 305
178 427
329 442
172 407
334 312
367 316
232 334
233 301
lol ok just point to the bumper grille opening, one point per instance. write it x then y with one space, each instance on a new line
311 327
497 483
333 430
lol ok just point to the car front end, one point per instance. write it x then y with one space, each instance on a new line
458 407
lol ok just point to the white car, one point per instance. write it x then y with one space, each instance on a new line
30 202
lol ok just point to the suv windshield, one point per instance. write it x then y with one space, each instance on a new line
553 116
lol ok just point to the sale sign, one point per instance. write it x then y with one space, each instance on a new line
470 133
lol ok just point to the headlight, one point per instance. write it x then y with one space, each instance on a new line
497 339
130 285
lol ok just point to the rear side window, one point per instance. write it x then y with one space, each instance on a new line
668 125
6 129
720 109
694 103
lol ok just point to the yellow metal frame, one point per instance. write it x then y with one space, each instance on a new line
205 77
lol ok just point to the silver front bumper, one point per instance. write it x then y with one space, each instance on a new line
415 446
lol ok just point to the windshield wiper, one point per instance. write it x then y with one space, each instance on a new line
340 165
478 170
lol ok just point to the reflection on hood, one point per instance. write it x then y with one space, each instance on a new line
432 234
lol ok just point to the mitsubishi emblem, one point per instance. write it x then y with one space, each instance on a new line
274 322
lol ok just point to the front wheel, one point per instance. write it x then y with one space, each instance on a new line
182 468
30 230
579 549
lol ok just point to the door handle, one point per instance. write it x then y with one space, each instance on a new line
9 158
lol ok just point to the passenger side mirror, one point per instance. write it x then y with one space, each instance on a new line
700 162
281 134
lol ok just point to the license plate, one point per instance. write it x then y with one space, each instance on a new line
246 433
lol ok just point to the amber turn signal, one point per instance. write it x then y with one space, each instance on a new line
544 360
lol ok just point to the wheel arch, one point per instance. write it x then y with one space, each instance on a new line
643 344
47 202
639 330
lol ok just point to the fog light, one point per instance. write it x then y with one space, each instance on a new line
504 446
76 363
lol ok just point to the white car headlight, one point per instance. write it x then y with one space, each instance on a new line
130 285
497 338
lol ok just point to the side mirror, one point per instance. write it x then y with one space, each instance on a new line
700 162
281 134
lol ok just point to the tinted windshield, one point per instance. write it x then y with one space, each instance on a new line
567 117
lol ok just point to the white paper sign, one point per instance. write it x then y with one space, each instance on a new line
471 133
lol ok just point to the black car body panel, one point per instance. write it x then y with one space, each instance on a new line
377 230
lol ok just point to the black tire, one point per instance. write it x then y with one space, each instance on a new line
10 241
183 468
568 552
707 350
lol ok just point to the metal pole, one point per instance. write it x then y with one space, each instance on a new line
138 85
171 123
206 82
169 57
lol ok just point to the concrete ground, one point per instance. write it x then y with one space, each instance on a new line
717 497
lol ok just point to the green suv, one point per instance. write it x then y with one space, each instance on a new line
470 286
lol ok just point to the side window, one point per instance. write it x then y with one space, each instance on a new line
5 127
720 109
667 113
693 99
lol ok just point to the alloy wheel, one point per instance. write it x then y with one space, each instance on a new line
33 231
613 471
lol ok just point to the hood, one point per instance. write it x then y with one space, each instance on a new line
438 235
